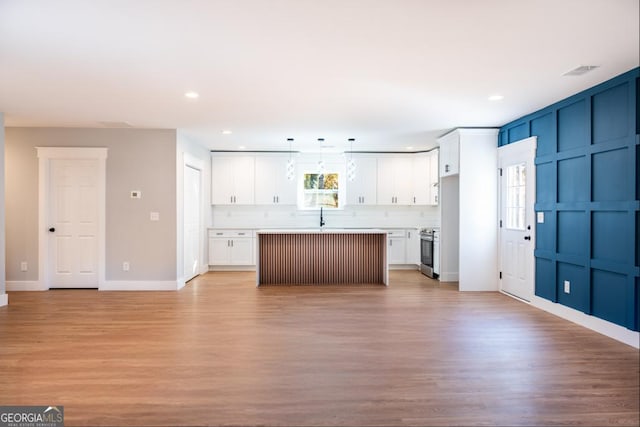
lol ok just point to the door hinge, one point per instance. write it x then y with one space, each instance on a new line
500 169
501 275
500 223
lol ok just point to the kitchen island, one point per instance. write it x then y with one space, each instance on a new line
321 256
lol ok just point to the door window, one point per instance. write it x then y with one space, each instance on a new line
516 196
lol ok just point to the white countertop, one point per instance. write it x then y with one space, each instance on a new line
321 231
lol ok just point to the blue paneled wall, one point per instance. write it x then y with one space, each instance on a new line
588 186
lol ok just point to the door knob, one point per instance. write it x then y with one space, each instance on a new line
51 230
527 237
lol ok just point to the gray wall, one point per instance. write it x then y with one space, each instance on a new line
138 159
2 215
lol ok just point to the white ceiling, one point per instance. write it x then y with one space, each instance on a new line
390 73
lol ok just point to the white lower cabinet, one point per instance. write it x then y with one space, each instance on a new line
413 246
396 250
231 247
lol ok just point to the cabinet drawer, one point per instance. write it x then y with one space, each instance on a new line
396 233
231 233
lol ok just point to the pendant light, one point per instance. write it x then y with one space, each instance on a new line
351 164
321 161
291 168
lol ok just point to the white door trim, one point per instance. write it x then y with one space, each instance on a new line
526 146
45 155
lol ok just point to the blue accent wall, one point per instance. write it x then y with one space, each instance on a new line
588 186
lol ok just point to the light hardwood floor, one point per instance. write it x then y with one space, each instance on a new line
221 352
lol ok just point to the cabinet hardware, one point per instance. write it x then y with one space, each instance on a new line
277 199
414 199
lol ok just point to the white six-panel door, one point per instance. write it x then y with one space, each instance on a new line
73 223
517 217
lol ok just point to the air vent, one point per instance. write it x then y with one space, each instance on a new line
116 125
583 69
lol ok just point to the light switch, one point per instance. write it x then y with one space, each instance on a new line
540 217
154 216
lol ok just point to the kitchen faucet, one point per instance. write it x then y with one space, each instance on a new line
321 218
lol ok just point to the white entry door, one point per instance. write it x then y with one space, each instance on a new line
191 222
73 223
517 217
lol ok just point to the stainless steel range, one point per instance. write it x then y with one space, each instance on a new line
428 256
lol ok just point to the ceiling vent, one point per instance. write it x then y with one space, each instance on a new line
116 125
583 69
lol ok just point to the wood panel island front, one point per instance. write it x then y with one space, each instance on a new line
321 256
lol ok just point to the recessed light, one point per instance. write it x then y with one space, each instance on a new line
242 147
226 132
191 95
409 148
495 98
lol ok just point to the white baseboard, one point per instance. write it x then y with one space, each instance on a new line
25 285
139 285
232 268
4 299
617 332
404 267
448 277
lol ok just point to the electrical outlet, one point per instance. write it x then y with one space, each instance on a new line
154 216
567 287
125 266
23 266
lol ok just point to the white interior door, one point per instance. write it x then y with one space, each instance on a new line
191 222
73 222
517 218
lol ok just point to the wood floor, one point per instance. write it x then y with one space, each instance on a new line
222 352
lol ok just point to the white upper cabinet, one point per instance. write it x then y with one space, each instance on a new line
232 179
450 154
271 184
363 189
395 180
434 184
421 179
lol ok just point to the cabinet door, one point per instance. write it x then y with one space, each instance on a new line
403 182
243 180
219 251
363 189
272 186
421 181
449 154
386 181
413 247
396 249
222 180
434 185
242 251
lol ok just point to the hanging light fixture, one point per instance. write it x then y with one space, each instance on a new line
351 164
321 161
291 167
